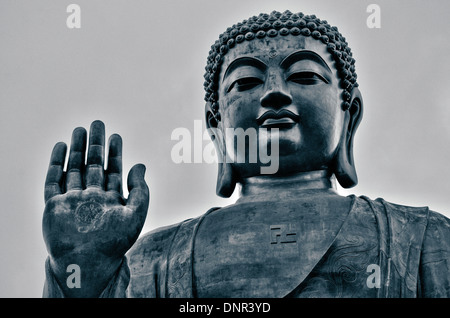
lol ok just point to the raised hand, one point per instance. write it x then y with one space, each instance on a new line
87 221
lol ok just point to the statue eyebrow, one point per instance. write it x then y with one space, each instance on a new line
244 61
302 55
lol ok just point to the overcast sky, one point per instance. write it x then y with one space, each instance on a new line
138 66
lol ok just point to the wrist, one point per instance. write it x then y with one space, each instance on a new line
83 277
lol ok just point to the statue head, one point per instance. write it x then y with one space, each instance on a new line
292 72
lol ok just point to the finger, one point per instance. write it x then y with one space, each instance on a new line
55 171
114 168
138 190
75 165
96 155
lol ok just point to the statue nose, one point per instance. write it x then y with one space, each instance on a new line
276 98
276 94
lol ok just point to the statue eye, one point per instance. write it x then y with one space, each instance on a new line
306 78
245 83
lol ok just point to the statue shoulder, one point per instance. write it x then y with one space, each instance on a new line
439 219
154 242
437 235
418 245
424 214
433 226
403 213
147 259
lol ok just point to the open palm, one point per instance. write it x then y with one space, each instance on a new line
87 221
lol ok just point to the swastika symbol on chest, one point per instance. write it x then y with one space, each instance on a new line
283 233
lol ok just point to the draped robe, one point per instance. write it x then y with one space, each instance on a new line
380 249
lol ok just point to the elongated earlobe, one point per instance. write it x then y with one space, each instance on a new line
344 169
226 181
226 177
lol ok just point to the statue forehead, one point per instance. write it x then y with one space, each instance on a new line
276 48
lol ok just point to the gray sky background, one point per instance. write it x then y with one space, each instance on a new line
138 66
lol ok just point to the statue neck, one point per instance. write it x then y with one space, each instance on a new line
304 184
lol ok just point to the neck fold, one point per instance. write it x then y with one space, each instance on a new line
269 188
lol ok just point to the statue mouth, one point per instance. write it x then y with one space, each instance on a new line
281 119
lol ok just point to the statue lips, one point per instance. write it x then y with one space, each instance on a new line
281 119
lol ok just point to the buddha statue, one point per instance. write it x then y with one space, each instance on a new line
290 234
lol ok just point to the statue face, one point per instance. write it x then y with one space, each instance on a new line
290 83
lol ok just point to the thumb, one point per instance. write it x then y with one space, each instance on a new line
138 196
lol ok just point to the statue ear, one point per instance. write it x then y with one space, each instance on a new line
345 170
226 178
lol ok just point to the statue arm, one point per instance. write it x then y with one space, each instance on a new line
434 271
51 285
116 288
